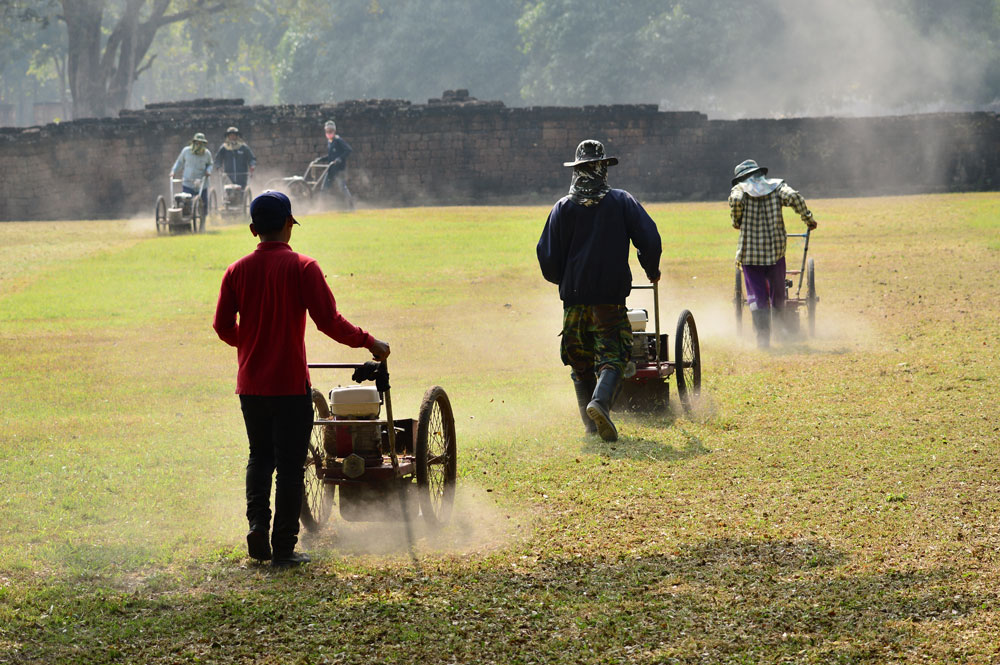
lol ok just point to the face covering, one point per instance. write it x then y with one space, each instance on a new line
590 183
757 185
197 147
234 144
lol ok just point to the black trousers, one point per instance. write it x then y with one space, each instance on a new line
278 429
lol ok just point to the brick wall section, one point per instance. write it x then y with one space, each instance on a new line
467 152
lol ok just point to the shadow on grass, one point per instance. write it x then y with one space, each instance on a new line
726 600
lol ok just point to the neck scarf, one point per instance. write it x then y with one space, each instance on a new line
197 147
590 183
234 145
757 185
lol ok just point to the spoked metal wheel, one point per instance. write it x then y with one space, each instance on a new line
161 215
196 214
738 299
299 191
317 499
436 457
687 360
811 297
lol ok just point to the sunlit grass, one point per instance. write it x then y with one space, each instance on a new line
832 501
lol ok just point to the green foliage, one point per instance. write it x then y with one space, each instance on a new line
409 49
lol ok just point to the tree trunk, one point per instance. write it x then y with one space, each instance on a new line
83 61
101 80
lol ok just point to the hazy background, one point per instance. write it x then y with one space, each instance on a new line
727 58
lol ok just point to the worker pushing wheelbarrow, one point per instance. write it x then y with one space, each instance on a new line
755 204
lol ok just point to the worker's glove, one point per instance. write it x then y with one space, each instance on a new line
373 371
811 224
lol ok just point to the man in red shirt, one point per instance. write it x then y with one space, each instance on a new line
271 289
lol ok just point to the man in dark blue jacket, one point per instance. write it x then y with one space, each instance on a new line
235 158
584 249
337 151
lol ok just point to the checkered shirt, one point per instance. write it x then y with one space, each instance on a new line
761 225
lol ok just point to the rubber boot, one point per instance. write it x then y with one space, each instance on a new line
762 325
599 408
584 393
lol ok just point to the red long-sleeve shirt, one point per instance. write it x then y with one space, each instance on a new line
272 289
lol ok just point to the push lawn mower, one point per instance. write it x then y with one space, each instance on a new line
645 387
806 271
384 468
187 212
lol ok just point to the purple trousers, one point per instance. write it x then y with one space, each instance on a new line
765 285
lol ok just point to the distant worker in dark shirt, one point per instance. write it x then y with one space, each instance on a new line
755 203
236 158
270 290
584 249
337 151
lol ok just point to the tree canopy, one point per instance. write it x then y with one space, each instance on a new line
730 58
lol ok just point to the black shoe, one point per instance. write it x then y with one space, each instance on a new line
599 408
258 546
584 393
290 560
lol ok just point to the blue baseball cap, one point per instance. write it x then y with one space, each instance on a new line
269 211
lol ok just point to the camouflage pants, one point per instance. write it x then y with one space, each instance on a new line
595 337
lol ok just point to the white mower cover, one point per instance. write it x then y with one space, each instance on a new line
638 319
355 402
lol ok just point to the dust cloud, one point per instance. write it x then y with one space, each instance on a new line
478 524
844 58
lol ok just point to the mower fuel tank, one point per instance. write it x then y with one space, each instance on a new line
360 439
638 318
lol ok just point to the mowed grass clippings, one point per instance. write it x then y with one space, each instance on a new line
835 500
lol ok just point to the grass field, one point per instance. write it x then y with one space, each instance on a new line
835 500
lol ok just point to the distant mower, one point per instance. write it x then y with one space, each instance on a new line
806 272
302 187
378 468
187 212
235 200
646 387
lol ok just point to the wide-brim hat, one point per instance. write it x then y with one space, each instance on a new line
199 138
590 151
233 130
745 169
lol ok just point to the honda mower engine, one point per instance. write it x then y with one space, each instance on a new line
359 444
234 195
643 343
183 202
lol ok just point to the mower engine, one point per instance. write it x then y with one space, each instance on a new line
234 195
643 343
359 444
183 202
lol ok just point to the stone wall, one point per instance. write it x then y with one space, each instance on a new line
458 150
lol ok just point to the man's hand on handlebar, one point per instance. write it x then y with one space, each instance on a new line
380 350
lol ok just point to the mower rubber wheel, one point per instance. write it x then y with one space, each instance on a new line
811 297
687 360
738 299
161 215
317 499
436 457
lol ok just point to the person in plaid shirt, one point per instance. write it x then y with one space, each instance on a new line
755 204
